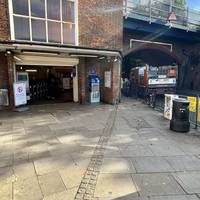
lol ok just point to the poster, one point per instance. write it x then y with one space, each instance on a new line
66 83
20 93
198 111
107 79
193 103
4 97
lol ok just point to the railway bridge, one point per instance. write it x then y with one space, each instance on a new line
162 32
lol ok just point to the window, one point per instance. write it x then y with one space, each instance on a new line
68 11
38 8
54 31
51 21
69 33
38 30
22 31
53 9
20 7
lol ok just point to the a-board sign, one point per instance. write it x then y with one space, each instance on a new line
20 93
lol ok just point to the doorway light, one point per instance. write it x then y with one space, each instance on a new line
17 58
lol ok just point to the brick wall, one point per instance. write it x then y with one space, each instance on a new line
101 23
4 20
3 72
108 95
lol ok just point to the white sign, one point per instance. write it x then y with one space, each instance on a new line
162 81
107 79
20 93
169 105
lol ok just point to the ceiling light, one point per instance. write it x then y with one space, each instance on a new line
40 53
31 70
83 55
8 52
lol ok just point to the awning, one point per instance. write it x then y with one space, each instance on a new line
44 60
17 46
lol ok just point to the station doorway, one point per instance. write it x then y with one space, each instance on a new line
47 84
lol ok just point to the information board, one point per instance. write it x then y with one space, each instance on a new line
20 93
107 79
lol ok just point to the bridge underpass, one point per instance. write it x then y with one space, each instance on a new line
152 57
147 55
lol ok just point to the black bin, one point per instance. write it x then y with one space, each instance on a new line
180 116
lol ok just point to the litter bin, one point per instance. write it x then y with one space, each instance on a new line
180 116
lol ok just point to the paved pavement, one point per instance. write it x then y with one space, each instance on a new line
48 153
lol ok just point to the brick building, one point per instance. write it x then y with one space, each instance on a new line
67 39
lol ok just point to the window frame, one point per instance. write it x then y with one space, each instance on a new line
75 23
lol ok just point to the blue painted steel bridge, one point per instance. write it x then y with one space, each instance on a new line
151 16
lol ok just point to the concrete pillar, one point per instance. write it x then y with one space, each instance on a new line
116 80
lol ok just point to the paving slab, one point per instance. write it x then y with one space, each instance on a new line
170 197
112 152
27 189
156 184
51 183
151 164
24 170
190 149
184 163
160 149
20 157
177 197
117 165
72 175
45 165
114 186
6 160
190 181
6 175
136 150
6 191
66 195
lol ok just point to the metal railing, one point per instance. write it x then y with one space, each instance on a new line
158 11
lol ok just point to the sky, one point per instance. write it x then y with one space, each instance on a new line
195 4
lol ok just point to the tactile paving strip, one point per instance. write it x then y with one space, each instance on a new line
88 183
